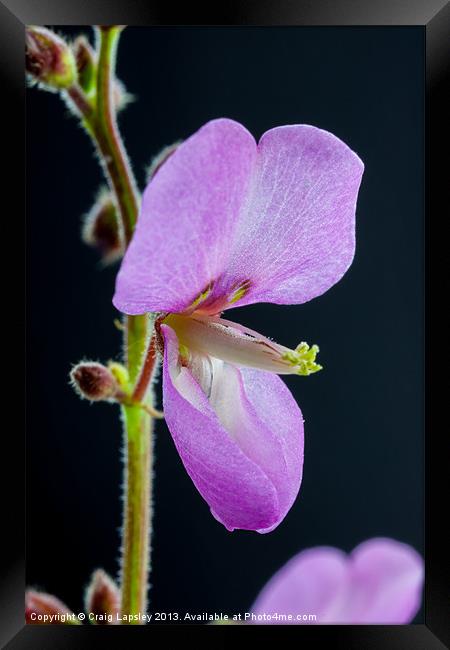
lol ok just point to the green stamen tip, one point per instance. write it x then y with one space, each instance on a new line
303 359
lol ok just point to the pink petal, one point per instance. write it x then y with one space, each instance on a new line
313 582
272 405
387 580
297 238
188 213
246 464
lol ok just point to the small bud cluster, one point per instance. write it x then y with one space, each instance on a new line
58 65
49 59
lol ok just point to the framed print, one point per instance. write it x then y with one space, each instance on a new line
228 279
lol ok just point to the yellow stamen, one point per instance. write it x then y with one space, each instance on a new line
303 359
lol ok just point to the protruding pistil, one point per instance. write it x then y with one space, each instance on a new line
241 346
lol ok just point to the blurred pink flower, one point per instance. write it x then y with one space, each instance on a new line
380 582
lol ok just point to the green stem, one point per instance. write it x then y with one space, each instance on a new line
138 424
137 513
107 134
135 340
100 122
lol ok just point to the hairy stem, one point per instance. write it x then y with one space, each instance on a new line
137 423
81 103
107 134
100 122
135 339
137 511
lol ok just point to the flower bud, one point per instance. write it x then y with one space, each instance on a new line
159 160
101 228
42 609
49 59
86 62
103 598
94 382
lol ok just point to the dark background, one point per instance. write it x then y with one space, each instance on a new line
363 473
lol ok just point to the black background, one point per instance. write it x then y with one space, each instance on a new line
363 473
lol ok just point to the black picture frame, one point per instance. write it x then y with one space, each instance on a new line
434 17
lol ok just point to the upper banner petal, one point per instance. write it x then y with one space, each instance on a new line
296 237
188 214
225 223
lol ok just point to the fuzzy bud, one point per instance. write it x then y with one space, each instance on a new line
103 598
159 160
94 382
101 228
49 59
86 62
44 609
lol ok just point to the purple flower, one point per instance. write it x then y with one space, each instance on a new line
226 222
380 582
